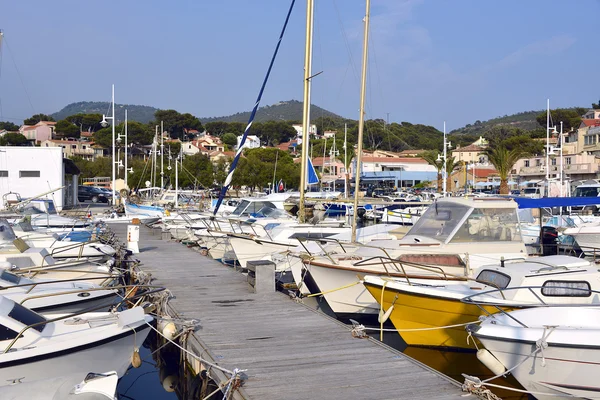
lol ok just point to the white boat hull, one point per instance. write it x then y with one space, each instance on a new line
249 249
112 353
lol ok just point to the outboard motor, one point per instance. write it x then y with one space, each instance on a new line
549 240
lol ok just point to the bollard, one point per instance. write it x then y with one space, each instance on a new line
261 276
133 237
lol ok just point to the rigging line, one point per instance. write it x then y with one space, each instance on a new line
346 41
254 110
318 31
18 72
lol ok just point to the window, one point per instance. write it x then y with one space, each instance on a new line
73 146
29 174
7 333
568 160
566 289
489 225
538 162
3 174
554 161
527 163
493 278
27 317
590 139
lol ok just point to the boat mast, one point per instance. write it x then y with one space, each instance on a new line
162 150
361 119
306 107
345 161
126 170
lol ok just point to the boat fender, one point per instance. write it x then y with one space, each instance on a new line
168 329
169 383
384 316
491 362
136 360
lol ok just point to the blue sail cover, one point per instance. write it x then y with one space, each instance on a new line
547 202
312 177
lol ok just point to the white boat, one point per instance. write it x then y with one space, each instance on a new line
421 305
554 350
90 386
587 236
454 236
48 349
55 297
143 211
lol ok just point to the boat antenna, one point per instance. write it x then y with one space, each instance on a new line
238 153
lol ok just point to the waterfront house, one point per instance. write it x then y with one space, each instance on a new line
39 132
75 148
252 142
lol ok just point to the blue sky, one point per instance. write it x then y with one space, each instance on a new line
430 60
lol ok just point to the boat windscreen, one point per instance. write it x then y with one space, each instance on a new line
27 317
10 277
439 220
241 207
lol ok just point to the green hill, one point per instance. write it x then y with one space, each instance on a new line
138 113
290 110
523 120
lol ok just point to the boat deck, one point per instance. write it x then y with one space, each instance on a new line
289 350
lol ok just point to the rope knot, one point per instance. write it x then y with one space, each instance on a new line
358 330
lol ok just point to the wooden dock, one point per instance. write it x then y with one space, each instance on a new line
289 350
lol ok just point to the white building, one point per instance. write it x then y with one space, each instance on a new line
312 130
30 171
252 142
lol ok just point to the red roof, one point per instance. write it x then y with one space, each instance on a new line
286 145
483 173
590 122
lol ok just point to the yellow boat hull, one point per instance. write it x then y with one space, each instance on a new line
416 311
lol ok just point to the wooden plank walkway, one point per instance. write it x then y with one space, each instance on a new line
289 350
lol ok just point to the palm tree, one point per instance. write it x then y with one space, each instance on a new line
451 165
431 157
504 160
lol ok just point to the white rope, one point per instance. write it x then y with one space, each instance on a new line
232 373
540 345
423 329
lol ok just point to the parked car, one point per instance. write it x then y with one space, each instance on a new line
93 194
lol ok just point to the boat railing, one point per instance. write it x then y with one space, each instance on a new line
156 289
504 306
320 242
81 291
395 262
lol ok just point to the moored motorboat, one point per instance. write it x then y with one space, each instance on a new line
36 348
417 307
453 237
552 351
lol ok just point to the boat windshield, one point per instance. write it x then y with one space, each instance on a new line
6 232
241 207
587 191
489 225
10 277
251 207
27 317
270 212
439 221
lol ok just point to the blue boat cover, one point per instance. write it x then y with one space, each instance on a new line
547 202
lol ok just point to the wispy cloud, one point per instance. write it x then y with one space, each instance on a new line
550 47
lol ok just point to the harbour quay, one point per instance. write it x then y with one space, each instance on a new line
281 348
